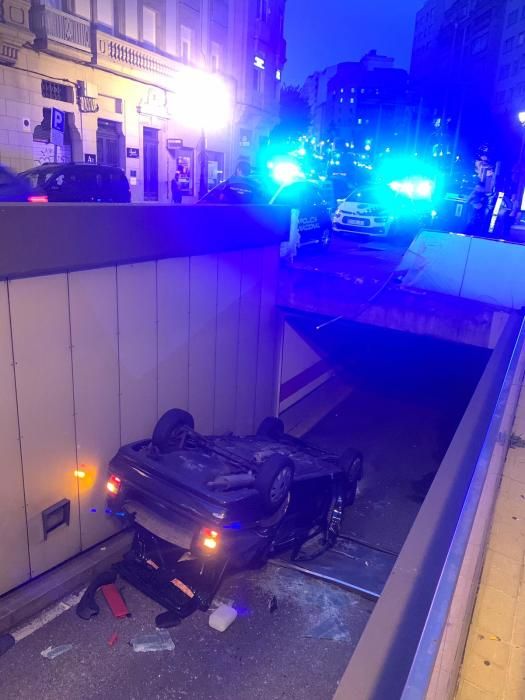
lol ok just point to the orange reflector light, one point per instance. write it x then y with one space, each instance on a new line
37 199
113 484
209 538
80 473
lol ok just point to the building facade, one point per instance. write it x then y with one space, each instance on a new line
454 70
509 96
366 103
156 87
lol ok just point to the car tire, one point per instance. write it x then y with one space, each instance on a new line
271 427
168 424
351 463
273 481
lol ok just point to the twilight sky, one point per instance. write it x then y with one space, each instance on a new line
323 32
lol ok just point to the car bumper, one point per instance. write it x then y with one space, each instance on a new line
371 230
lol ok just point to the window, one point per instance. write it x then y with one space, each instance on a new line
56 91
480 43
105 12
262 10
512 18
149 25
186 40
82 8
257 78
508 44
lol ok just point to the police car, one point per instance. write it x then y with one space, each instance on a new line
315 224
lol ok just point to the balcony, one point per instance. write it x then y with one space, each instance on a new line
132 60
54 29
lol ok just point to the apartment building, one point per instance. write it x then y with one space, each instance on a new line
156 87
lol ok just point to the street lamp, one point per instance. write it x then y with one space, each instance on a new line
204 102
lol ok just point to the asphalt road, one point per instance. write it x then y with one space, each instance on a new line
342 279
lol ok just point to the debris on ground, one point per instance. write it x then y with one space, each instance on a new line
53 652
159 641
113 639
272 604
6 642
331 629
115 601
222 618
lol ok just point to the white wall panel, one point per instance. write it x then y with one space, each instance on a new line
137 315
494 273
173 309
14 554
248 341
436 261
268 351
93 309
203 320
42 353
228 308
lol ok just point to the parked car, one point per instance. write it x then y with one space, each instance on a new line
315 224
201 505
16 189
364 211
79 182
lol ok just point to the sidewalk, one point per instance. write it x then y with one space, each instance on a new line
494 662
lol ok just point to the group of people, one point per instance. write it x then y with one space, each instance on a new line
482 209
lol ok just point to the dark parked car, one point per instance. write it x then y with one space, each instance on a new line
202 505
79 182
14 188
315 223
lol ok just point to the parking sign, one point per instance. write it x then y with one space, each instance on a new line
58 122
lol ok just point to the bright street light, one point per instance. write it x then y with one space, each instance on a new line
521 117
203 100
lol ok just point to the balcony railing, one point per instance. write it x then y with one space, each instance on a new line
49 24
129 56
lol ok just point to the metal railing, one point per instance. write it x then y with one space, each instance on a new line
128 54
48 23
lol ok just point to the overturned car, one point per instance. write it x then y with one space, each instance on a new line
202 505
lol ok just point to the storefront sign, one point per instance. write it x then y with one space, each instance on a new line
172 144
132 152
90 158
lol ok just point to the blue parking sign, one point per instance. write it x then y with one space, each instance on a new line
58 123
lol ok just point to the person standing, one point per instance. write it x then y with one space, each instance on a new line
176 193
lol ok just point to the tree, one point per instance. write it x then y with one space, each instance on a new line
294 115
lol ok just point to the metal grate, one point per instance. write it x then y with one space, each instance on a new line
56 91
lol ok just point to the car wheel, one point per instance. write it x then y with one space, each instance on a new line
351 463
271 427
325 238
168 425
274 480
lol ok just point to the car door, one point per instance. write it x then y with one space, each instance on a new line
62 186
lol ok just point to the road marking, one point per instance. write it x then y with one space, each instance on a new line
47 615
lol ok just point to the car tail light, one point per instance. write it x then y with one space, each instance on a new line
113 485
38 199
209 539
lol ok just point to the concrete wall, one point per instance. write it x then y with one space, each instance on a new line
303 369
90 359
480 269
